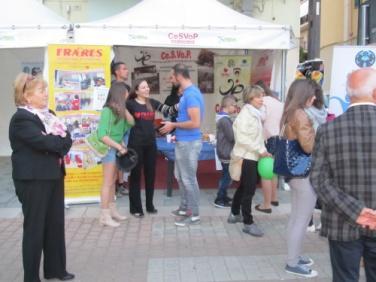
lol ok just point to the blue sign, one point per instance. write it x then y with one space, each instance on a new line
365 58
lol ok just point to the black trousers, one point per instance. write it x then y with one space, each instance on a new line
245 192
43 229
147 155
345 259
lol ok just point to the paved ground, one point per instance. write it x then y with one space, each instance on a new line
152 249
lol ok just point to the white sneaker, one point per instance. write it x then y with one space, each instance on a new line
311 228
187 220
301 270
286 187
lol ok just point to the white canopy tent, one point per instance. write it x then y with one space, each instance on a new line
153 23
186 24
26 28
182 23
27 23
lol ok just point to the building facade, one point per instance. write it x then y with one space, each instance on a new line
338 26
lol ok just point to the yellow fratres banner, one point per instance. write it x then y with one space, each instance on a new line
79 80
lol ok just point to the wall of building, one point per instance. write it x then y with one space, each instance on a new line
339 21
282 12
332 19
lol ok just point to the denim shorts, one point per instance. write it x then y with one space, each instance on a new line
110 157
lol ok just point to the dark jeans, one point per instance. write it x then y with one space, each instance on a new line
224 183
43 228
244 194
345 258
146 159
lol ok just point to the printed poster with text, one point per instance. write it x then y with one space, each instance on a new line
232 74
79 80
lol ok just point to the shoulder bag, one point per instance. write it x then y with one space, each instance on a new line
235 167
289 159
96 145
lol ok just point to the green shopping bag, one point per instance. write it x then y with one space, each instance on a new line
96 145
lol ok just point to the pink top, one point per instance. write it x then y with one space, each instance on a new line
273 114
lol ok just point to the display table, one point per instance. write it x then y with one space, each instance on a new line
168 150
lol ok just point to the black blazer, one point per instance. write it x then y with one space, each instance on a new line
35 155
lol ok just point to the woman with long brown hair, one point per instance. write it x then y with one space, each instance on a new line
142 140
114 122
296 125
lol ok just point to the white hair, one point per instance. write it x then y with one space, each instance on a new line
364 87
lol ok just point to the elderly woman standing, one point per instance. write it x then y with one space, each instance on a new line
249 145
39 141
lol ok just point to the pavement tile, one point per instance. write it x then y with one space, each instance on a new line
153 249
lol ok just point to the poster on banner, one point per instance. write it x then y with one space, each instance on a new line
155 64
345 60
202 71
79 80
262 66
232 74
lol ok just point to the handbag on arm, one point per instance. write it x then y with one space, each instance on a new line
235 167
96 145
290 160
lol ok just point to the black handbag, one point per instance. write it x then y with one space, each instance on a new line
271 144
127 161
289 159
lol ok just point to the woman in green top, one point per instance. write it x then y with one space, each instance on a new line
114 122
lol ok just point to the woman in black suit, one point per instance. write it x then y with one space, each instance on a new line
39 140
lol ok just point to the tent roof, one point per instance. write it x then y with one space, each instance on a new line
182 23
27 23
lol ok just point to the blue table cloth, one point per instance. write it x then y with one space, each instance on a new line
168 150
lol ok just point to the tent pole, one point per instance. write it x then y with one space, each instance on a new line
281 179
283 75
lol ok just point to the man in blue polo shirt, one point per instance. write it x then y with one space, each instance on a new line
188 146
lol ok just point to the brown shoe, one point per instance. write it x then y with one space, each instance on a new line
275 203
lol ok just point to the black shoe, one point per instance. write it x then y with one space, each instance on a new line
66 277
222 204
257 207
228 201
152 211
138 214
275 203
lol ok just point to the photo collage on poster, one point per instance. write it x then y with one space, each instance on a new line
74 90
79 126
148 73
78 92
